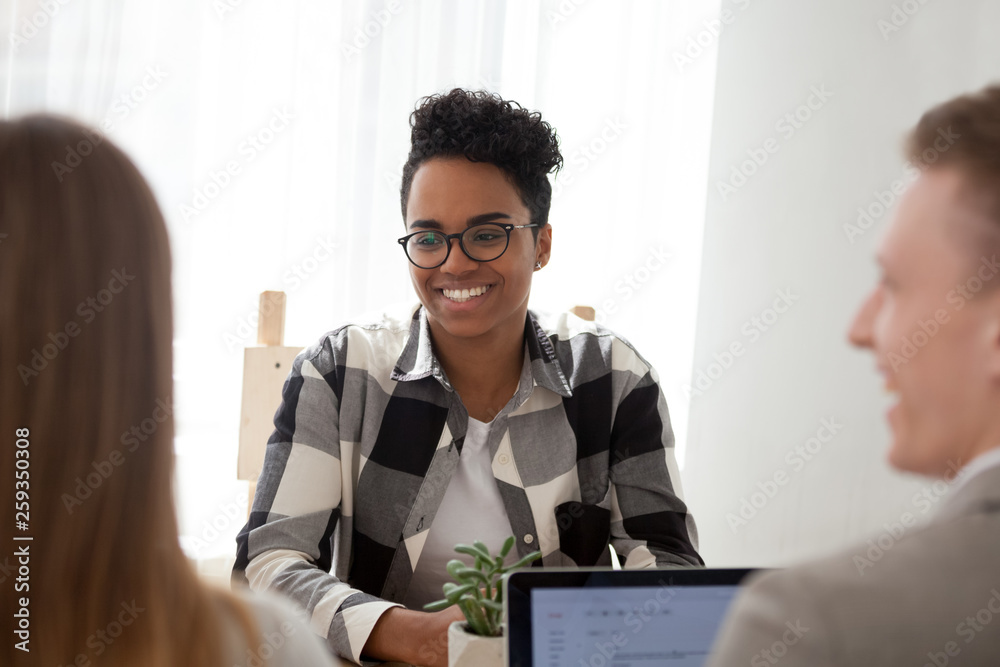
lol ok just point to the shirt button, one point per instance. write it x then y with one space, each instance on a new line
529 538
504 459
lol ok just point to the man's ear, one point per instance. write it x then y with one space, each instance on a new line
991 331
992 346
543 247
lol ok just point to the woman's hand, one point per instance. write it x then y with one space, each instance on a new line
433 652
414 637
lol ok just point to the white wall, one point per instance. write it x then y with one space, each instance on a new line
783 229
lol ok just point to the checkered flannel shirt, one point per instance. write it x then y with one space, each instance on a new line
369 433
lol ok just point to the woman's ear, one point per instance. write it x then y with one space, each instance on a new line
543 247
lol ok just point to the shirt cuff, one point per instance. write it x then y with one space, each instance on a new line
359 622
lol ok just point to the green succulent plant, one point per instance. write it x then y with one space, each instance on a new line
478 590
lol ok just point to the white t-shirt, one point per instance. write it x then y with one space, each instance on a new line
471 509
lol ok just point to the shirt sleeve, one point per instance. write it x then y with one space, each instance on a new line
650 524
287 543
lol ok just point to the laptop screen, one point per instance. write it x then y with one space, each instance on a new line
625 618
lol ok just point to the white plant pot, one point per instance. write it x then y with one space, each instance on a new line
468 650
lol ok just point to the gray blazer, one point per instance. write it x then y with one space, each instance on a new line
928 596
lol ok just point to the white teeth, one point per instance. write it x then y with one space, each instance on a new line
463 295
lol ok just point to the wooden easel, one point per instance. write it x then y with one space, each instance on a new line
265 367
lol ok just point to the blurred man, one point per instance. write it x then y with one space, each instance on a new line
929 595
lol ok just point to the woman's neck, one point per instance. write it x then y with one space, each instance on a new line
484 370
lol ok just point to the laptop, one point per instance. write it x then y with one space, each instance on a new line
616 618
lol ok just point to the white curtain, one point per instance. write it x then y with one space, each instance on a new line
274 135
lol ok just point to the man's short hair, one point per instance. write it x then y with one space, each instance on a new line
483 127
964 134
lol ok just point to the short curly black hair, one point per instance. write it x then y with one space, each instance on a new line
483 127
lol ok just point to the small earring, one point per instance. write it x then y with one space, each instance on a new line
538 266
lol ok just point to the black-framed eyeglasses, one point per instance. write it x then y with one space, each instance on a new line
484 242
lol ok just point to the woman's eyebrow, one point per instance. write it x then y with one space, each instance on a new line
486 217
474 220
427 224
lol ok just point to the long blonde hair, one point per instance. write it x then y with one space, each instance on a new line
85 357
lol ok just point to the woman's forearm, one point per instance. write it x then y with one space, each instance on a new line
414 637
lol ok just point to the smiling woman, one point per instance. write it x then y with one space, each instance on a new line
465 417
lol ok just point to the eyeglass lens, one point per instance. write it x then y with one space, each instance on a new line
482 243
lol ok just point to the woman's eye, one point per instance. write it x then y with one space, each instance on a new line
428 239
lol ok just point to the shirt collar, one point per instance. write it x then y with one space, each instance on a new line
975 487
545 366
417 360
977 466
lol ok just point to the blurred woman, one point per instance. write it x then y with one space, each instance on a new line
94 572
